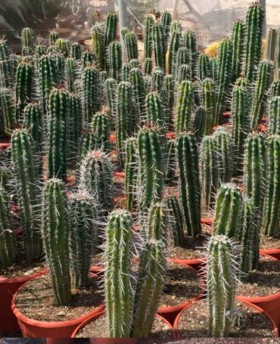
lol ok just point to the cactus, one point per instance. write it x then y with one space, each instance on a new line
147 66
170 164
189 184
221 285
253 40
255 171
183 73
151 178
87 58
157 80
134 63
250 238
228 211
27 190
137 83
110 29
55 232
214 68
200 123
275 89
27 41
272 195
271 39
53 37
40 50
101 126
148 83
274 116
238 36
169 97
148 39
277 56
57 134
263 83
126 72
7 243
182 58
7 111
189 42
165 21
224 154
82 215
74 127
184 106
155 113
33 122
175 26
76 51
96 178
118 281
59 62
115 60
88 143
150 282
240 124
125 121
63 46
5 65
208 100
46 80
203 67
98 45
224 77
175 42
131 46
71 74
91 90
111 87
159 46
156 223
131 169
175 220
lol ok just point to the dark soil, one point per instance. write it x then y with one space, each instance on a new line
194 322
261 282
181 284
21 268
229 341
35 301
99 329
268 242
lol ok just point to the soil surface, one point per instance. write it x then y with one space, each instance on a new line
193 322
35 301
21 269
182 284
99 329
261 282
268 242
228 341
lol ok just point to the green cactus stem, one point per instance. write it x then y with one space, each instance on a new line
200 126
175 220
175 43
274 116
275 89
155 113
148 38
7 111
203 67
159 46
238 42
33 122
47 80
137 82
27 41
131 170
101 126
189 42
147 66
88 143
98 45
115 60
53 37
76 51
74 128
184 106
208 100
131 46
168 90
111 87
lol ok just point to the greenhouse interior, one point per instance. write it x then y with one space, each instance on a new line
139 171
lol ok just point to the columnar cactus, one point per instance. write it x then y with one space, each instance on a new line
40 50
125 121
157 79
88 143
175 43
208 100
175 26
238 36
151 178
7 243
272 195
200 123
87 58
27 190
134 63
131 169
59 62
170 165
274 116
275 89
27 41
253 40
249 237
99 45
76 51
182 58
147 66
203 67
131 46
255 171
175 220
53 37
110 29
7 111
224 76
74 127
183 74
137 83
71 73
159 46
126 72
96 178
189 42
101 126
165 21
111 87
148 38
263 83
189 184
184 106
168 90
46 80
221 285
240 124
91 90
156 223
150 282
115 60
5 65
155 113
33 122
57 134
228 211
118 281
82 215
277 55
63 46
55 233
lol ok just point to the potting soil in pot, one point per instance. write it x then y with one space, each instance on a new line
98 329
250 323
261 282
268 242
35 301
21 269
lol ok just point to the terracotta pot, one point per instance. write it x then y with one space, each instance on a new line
274 326
119 174
8 287
272 252
113 340
4 145
57 329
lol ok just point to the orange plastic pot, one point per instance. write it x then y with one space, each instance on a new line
57 329
272 252
4 145
8 287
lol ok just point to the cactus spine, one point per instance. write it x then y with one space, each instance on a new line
253 40
184 106
228 211
165 21
110 29
55 232
82 231
131 170
275 89
170 165
189 184
221 285
175 220
274 116
87 144
27 190
272 196
189 42
76 51
71 71
238 36
118 281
